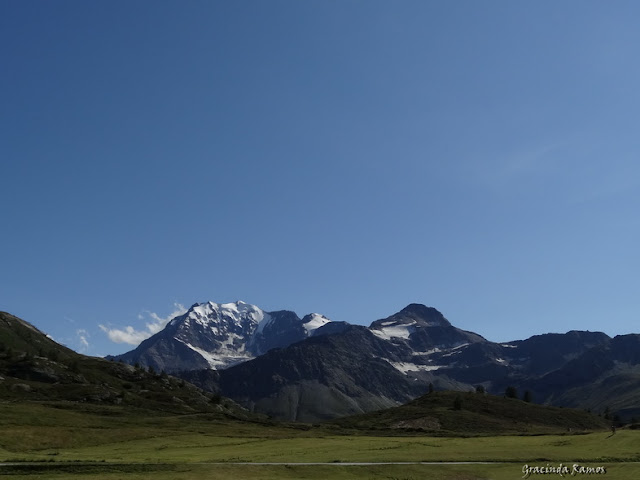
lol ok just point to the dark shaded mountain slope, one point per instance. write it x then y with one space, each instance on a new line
35 368
322 377
605 377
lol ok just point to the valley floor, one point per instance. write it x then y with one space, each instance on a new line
44 441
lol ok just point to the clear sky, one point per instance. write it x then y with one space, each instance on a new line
341 157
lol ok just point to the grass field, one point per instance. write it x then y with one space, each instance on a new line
59 442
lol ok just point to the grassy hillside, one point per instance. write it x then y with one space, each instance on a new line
34 368
446 413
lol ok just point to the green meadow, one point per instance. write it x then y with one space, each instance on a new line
96 442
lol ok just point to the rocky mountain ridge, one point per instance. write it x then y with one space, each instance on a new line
271 363
217 336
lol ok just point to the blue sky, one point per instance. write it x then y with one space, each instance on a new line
340 157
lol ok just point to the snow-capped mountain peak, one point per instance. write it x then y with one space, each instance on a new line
313 321
219 335
238 311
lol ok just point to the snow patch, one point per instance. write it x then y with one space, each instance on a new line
455 350
428 352
396 331
218 360
449 354
405 367
316 322
264 321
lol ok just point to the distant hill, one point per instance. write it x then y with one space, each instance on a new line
470 413
33 367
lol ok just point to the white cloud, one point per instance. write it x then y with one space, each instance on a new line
83 335
132 336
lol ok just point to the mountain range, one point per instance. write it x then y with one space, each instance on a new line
312 369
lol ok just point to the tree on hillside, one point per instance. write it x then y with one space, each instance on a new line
528 396
480 389
431 388
457 403
511 392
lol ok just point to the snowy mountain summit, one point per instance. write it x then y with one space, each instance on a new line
220 335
